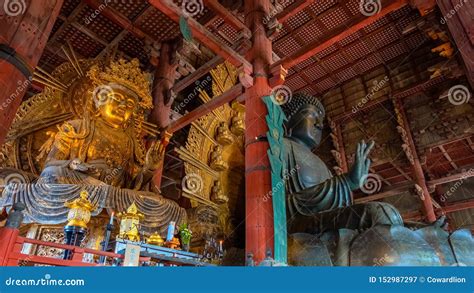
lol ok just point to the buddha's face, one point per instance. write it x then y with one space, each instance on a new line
306 126
117 107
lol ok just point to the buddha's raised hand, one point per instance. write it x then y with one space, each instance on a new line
360 168
154 156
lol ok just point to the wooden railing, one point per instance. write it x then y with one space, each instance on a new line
11 245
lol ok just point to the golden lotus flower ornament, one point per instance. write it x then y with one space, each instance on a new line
79 210
129 223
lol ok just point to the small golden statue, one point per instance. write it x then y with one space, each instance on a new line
155 239
173 244
217 194
79 210
217 162
129 223
224 136
238 125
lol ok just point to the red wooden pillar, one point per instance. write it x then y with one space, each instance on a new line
24 31
420 179
162 96
7 243
259 212
457 15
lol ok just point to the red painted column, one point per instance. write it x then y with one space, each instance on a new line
457 15
427 204
162 96
7 243
24 30
259 212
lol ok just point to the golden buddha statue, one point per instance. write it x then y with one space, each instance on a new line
102 150
224 136
217 162
217 194
238 125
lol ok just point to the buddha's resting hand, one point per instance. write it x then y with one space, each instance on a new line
78 165
154 156
360 169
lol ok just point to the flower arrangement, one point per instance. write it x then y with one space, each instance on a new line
185 235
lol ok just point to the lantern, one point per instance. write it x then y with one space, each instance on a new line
129 223
79 210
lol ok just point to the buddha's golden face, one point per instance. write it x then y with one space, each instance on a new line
117 108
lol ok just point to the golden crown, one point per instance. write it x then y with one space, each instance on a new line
127 74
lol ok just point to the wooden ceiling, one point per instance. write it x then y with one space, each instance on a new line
349 54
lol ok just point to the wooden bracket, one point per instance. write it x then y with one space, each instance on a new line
278 75
245 76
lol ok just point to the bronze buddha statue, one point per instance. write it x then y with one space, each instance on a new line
325 227
311 188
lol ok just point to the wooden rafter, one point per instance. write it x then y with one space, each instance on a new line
206 108
447 157
228 17
293 9
342 50
197 74
338 35
402 93
451 178
392 191
170 9
447 209
117 18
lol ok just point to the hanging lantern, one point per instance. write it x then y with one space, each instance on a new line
129 223
79 210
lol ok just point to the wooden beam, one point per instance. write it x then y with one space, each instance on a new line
117 18
197 74
455 177
402 93
228 17
201 33
447 209
394 190
338 35
447 157
206 108
293 9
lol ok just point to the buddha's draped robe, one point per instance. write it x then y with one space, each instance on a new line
312 190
